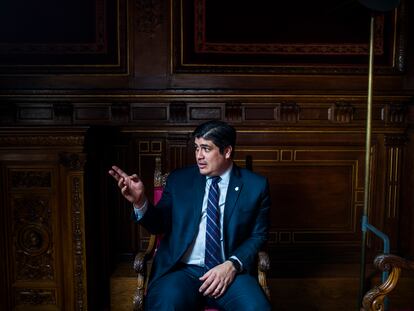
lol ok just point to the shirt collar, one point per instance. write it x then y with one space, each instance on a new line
225 177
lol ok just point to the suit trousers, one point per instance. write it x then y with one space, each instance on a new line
179 290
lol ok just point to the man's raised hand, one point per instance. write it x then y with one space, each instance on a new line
132 188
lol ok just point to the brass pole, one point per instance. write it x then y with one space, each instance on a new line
367 160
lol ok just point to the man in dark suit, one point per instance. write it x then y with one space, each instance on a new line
214 218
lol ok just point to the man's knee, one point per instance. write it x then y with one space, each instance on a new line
262 305
171 299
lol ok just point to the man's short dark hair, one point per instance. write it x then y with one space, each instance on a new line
220 133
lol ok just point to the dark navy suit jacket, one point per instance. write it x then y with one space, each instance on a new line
178 214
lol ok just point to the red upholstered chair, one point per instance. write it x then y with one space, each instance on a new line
143 260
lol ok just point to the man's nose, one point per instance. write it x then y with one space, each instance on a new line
200 154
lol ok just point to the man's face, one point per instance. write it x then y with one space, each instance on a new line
209 159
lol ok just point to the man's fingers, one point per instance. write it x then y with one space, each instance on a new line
120 172
206 282
205 276
124 190
212 287
134 177
121 182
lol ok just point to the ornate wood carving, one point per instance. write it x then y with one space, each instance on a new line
32 233
287 112
234 112
341 113
72 161
297 109
149 15
178 112
63 112
31 179
78 243
29 296
41 141
394 114
374 298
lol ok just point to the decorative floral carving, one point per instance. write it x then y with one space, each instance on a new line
33 238
41 141
149 15
35 297
31 179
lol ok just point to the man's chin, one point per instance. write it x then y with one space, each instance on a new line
203 171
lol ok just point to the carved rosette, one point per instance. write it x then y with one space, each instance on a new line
33 238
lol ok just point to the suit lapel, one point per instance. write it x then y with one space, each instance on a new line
233 192
199 186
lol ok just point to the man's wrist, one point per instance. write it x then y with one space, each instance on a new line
141 204
236 264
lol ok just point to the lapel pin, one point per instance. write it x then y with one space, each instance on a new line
237 188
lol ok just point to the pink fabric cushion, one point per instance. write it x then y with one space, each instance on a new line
157 194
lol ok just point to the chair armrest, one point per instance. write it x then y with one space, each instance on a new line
263 261
387 262
141 263
263 265
374 298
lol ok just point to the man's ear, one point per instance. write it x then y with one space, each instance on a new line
227 152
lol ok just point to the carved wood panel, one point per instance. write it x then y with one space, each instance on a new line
291 37
42 215
317 193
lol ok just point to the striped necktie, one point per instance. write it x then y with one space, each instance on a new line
213 248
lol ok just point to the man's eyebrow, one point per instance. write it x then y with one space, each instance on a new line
202 145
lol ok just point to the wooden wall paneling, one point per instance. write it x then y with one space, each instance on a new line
317 191
91 52
73 226
394 148
45 256
34 236
151 50
269 53
407 200
316 195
